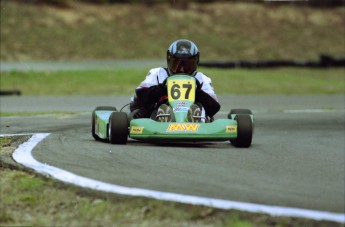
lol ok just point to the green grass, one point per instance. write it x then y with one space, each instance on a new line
33 201
287 81
28 200
5 141
124 81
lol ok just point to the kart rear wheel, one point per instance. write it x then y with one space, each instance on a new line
244 131
239 111
118 128
93 120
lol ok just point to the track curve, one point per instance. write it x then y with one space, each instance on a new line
297 157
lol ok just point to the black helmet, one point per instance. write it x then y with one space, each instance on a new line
182 57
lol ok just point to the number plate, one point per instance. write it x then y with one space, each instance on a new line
181 89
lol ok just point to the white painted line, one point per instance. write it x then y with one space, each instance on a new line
23 155
313 110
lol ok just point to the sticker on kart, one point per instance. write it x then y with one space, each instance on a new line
180 109
183 127
230 129
137 130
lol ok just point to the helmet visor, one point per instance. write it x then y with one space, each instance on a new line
187 65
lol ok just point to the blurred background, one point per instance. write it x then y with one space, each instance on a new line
143 29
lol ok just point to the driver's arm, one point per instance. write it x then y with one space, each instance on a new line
151 89
206 96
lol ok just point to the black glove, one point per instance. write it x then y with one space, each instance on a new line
152 94
156 92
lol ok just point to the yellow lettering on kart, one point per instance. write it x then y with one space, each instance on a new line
230 128
179 127
181 90
137 130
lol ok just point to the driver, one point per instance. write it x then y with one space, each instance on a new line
151 96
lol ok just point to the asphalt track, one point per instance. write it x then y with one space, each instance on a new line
296 160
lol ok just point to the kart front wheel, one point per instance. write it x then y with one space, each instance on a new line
118 128
93 120
244 131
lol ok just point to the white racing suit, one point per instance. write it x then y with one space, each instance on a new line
152 91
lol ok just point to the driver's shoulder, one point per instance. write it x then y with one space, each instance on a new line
158 74
202 77
158 71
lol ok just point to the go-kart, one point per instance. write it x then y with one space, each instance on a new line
114 126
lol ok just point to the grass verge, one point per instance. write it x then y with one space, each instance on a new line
224 30
124 81
29 199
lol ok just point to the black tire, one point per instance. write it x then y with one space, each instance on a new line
93 121
239 111
118 128
244 131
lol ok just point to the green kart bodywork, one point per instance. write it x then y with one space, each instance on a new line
147 129
110 125
218 130
102 123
